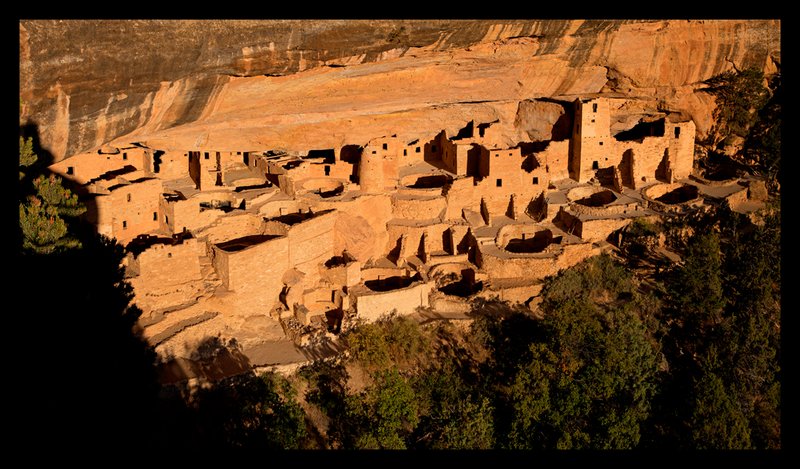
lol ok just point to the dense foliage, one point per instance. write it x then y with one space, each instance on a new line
748 116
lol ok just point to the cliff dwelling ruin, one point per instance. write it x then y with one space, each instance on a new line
259 243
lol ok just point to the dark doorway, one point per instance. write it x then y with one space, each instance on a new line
157 160
662 172
447 241
327 170
626 168
595 165
219 170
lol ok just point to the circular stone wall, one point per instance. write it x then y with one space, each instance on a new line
524 239
590 196
672 194
324 187
425 181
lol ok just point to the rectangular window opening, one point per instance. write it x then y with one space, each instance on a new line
595 165
677 132
124 224
124 156
499 183
205 155
594 108
166 219
327 170
129 197
385 146
155 216
70 170
535 180
405 152
601 144
592 121
417 151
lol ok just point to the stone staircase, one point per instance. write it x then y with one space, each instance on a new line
176 322
164 324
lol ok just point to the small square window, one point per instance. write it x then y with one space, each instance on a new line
405 152
535 180
417 150
595 165
499 183
592 121
385 146
327 170
124 156
155 216
374 152
677 132
205 155
70 170
169 255
510 154
601 144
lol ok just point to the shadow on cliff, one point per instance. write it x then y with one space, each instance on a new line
86 378
87 381
89 378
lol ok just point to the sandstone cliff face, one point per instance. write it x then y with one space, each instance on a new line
247 84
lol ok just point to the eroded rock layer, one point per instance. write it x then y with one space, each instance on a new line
321 84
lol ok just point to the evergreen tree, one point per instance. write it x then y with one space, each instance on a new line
41 214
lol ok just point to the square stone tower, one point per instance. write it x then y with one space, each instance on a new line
591 138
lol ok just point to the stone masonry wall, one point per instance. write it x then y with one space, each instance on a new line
371 307
417 208
311 243
130 210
